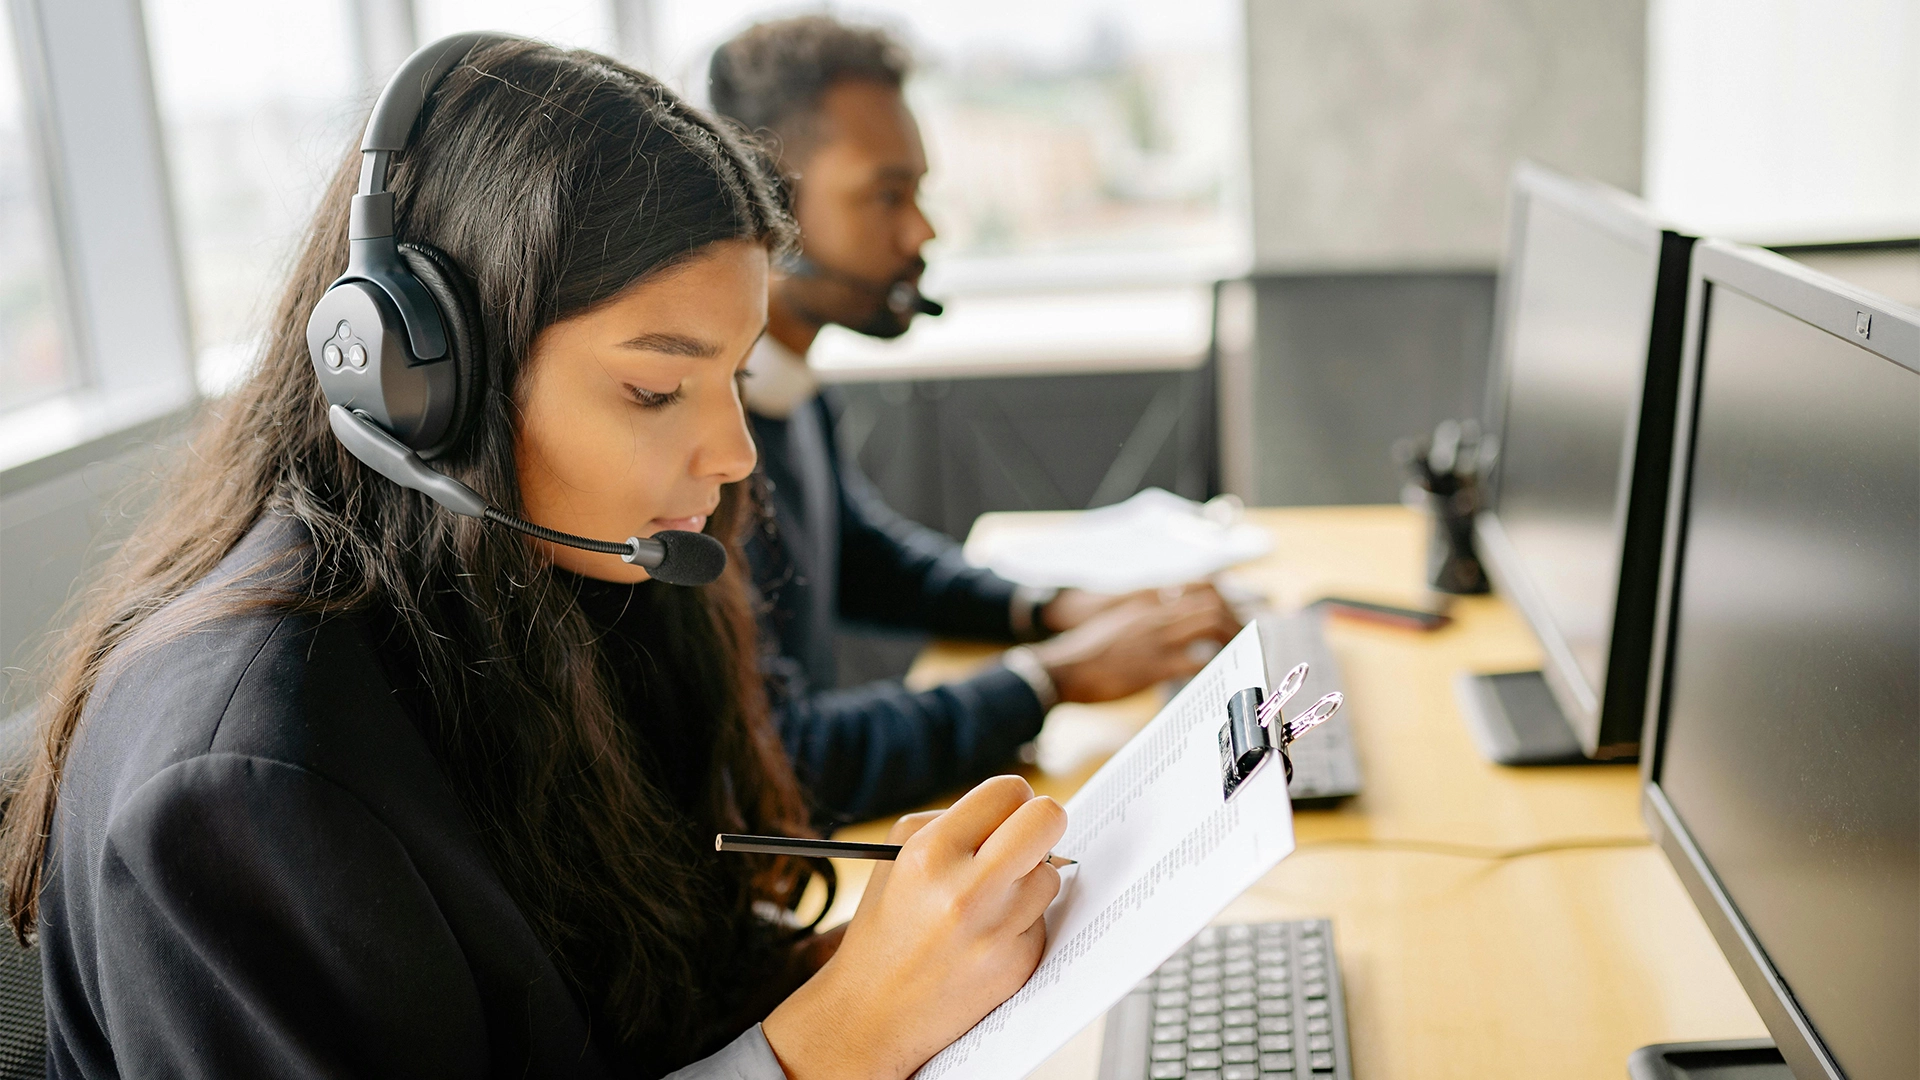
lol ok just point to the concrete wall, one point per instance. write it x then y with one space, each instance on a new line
1382 134
1383 130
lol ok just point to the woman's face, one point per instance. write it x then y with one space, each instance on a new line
630 416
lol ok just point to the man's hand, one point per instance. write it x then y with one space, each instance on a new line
1071 607
1135 641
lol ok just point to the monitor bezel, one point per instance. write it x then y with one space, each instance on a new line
1619 213
1833 306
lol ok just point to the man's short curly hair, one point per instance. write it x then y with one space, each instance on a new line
771 76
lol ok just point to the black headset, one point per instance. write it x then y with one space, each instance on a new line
397 342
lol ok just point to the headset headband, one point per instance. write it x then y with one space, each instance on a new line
372 255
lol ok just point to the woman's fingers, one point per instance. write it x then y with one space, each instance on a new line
909 824
966 824
1032 894
1022 841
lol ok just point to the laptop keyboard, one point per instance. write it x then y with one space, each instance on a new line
1236 1003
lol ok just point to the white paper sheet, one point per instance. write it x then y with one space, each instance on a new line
1153 539
1161 853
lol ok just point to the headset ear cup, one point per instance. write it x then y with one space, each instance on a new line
459 308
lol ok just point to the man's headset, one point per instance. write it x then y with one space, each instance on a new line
903 297
397 343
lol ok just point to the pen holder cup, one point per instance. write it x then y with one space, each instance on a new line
1452 565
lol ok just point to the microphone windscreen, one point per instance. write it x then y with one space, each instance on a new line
689 558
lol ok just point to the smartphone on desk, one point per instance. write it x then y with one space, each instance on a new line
1384 614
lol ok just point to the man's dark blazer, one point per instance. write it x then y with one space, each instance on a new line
834 551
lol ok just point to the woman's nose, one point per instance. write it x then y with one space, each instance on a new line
725 449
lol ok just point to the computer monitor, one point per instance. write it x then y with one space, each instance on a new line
1586 353
1782 763
1890 268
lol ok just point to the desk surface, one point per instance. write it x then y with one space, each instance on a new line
1557 964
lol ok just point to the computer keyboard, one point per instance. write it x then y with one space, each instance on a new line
1325 767
1248 1002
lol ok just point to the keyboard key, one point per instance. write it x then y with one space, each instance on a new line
1204 1074
1276 1006
1205 988
1275 1043
1276 1063
1275 1025
1204 956
1239 984
1175 981
1239 932
1168 1052
1204 1040
1240 951
1204 1023
1238 967
1321 1062
1204 972
1319 1025
1248 1071
1314 1008
1169 999
1169 1016
1203 1059
1314 990
1236 1054
1240 1035
1170 1033
1237 1017
1204 1006
1319 1042
1167 1070
1278 986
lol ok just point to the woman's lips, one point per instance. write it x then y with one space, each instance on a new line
685 524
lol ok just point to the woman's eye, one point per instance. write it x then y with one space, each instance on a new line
653 399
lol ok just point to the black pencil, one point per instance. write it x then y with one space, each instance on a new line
822 849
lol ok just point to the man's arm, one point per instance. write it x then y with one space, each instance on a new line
881 748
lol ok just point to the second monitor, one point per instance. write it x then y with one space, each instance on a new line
1586 355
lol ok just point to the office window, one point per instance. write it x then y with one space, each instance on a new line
259 101
1073 141
34 362
584 24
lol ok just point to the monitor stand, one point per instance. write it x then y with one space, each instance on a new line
1735 1059
1514 719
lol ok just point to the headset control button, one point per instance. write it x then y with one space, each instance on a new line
332 353
357 355
343 331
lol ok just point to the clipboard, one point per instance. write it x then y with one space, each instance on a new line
1256 732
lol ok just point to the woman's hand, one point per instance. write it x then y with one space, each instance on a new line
943 935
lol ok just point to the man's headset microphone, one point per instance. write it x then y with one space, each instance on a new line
397 343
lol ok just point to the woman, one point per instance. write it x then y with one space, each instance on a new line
337 783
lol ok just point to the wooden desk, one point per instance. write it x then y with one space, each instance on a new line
1554 965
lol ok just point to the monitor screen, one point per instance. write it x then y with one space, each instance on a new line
1790 744
1579 314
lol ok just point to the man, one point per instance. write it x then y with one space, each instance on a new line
827 98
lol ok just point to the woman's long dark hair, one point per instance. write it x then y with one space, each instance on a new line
557 179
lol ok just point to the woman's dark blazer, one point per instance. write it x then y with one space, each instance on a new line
258 869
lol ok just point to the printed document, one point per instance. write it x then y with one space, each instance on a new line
1161 851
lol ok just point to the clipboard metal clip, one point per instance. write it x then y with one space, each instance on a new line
1256 730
